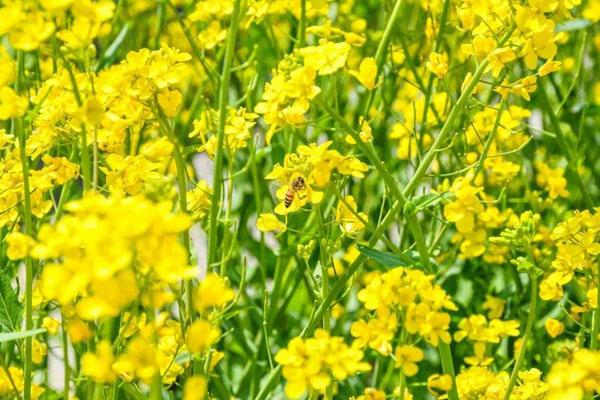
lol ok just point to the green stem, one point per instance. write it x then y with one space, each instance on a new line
27 219
302 25
223 100
381 52
417 232
95 160
446 129
448 368
490 138
444 348
528 327
596 321
85 154
66 366
323 259
402 385
429 89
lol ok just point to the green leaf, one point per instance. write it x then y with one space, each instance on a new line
573 25
10 307
385 258
7 337
277 153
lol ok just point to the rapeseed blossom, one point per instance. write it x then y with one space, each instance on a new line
299 199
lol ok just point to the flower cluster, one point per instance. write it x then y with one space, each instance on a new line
310 365
479 383
315 165
574 378
408 296
123 252
578 246
237 130
473 218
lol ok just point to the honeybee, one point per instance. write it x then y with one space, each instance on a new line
297 185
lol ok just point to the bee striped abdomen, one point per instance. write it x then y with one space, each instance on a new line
289 198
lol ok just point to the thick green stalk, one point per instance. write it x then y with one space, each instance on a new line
528 327
323 259
448 368
66 366
27 219
382 48
28 262
223 100
596 321
302 25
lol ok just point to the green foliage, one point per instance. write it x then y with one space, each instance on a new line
11 309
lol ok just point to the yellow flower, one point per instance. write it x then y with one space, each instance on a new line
479 358
349 220
407 357
194 388
139 360
212 35
199 200
92 111
438 64
365 134
310 364
98 365
367 73
437 383
540 44
119 238
372 394
524 87
38 351
551 179
51 325
268 222
286 99
212 292
499 58
571 379
200 335
326 58
129 174
465 207
19 245
313 165
28 27
549 67
377 333
170 102
78 331
554 327
494 305
11 104
481 383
